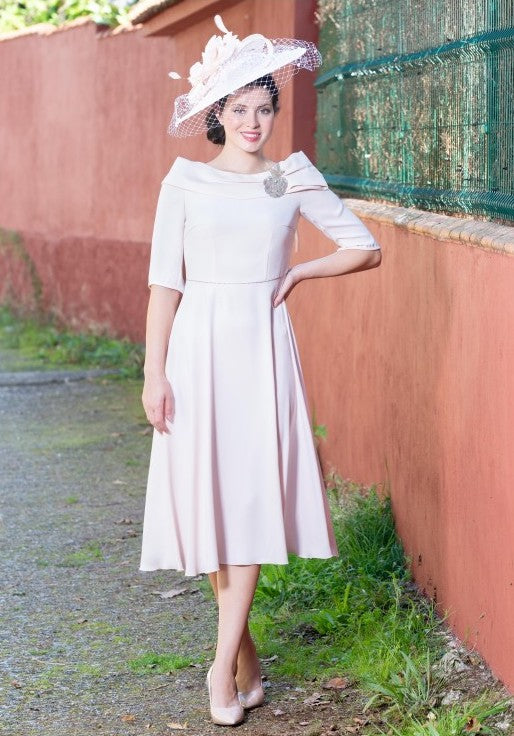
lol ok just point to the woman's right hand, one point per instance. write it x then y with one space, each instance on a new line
158 402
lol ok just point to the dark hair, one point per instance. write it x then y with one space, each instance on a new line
215 130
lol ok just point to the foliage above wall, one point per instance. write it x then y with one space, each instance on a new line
17 15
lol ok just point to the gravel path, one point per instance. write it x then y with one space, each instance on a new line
75 608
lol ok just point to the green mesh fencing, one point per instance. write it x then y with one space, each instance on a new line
416 102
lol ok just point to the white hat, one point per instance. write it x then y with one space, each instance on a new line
229 64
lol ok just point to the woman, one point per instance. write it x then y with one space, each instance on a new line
234 480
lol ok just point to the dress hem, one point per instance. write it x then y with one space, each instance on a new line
216 569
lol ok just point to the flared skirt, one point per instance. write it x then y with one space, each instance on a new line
237 480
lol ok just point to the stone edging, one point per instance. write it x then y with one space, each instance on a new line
476 233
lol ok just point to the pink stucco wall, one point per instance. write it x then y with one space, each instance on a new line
409 365
81 156
411 369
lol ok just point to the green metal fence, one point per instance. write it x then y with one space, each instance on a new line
416 102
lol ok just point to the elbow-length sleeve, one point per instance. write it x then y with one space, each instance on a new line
328 213
167 251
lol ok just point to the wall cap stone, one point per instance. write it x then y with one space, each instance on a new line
476 233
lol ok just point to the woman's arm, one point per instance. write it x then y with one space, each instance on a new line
166 279
357 249
157 394
344 260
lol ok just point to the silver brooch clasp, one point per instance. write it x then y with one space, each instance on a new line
276 184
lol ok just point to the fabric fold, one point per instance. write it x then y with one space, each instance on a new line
197 176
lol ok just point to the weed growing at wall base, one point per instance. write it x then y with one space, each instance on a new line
48 344
360 616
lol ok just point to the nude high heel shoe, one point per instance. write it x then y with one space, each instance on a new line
230 716
252 698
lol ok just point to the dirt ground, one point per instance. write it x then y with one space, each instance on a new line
73 463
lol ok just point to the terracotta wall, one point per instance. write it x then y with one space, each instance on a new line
408 365
411 370
82 155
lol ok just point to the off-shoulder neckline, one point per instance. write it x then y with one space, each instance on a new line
237 173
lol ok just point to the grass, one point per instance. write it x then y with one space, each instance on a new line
47 344
468 718
160 663
89 553
359 615
100 628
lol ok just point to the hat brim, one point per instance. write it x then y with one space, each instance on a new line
223 88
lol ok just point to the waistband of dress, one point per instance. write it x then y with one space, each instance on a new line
227 283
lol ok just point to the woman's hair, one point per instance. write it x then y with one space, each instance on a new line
215 130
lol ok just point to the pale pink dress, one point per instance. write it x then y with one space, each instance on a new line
238 479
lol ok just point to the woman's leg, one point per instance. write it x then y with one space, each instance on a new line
235 586
248 671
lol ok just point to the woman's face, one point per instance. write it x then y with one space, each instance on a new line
248 118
